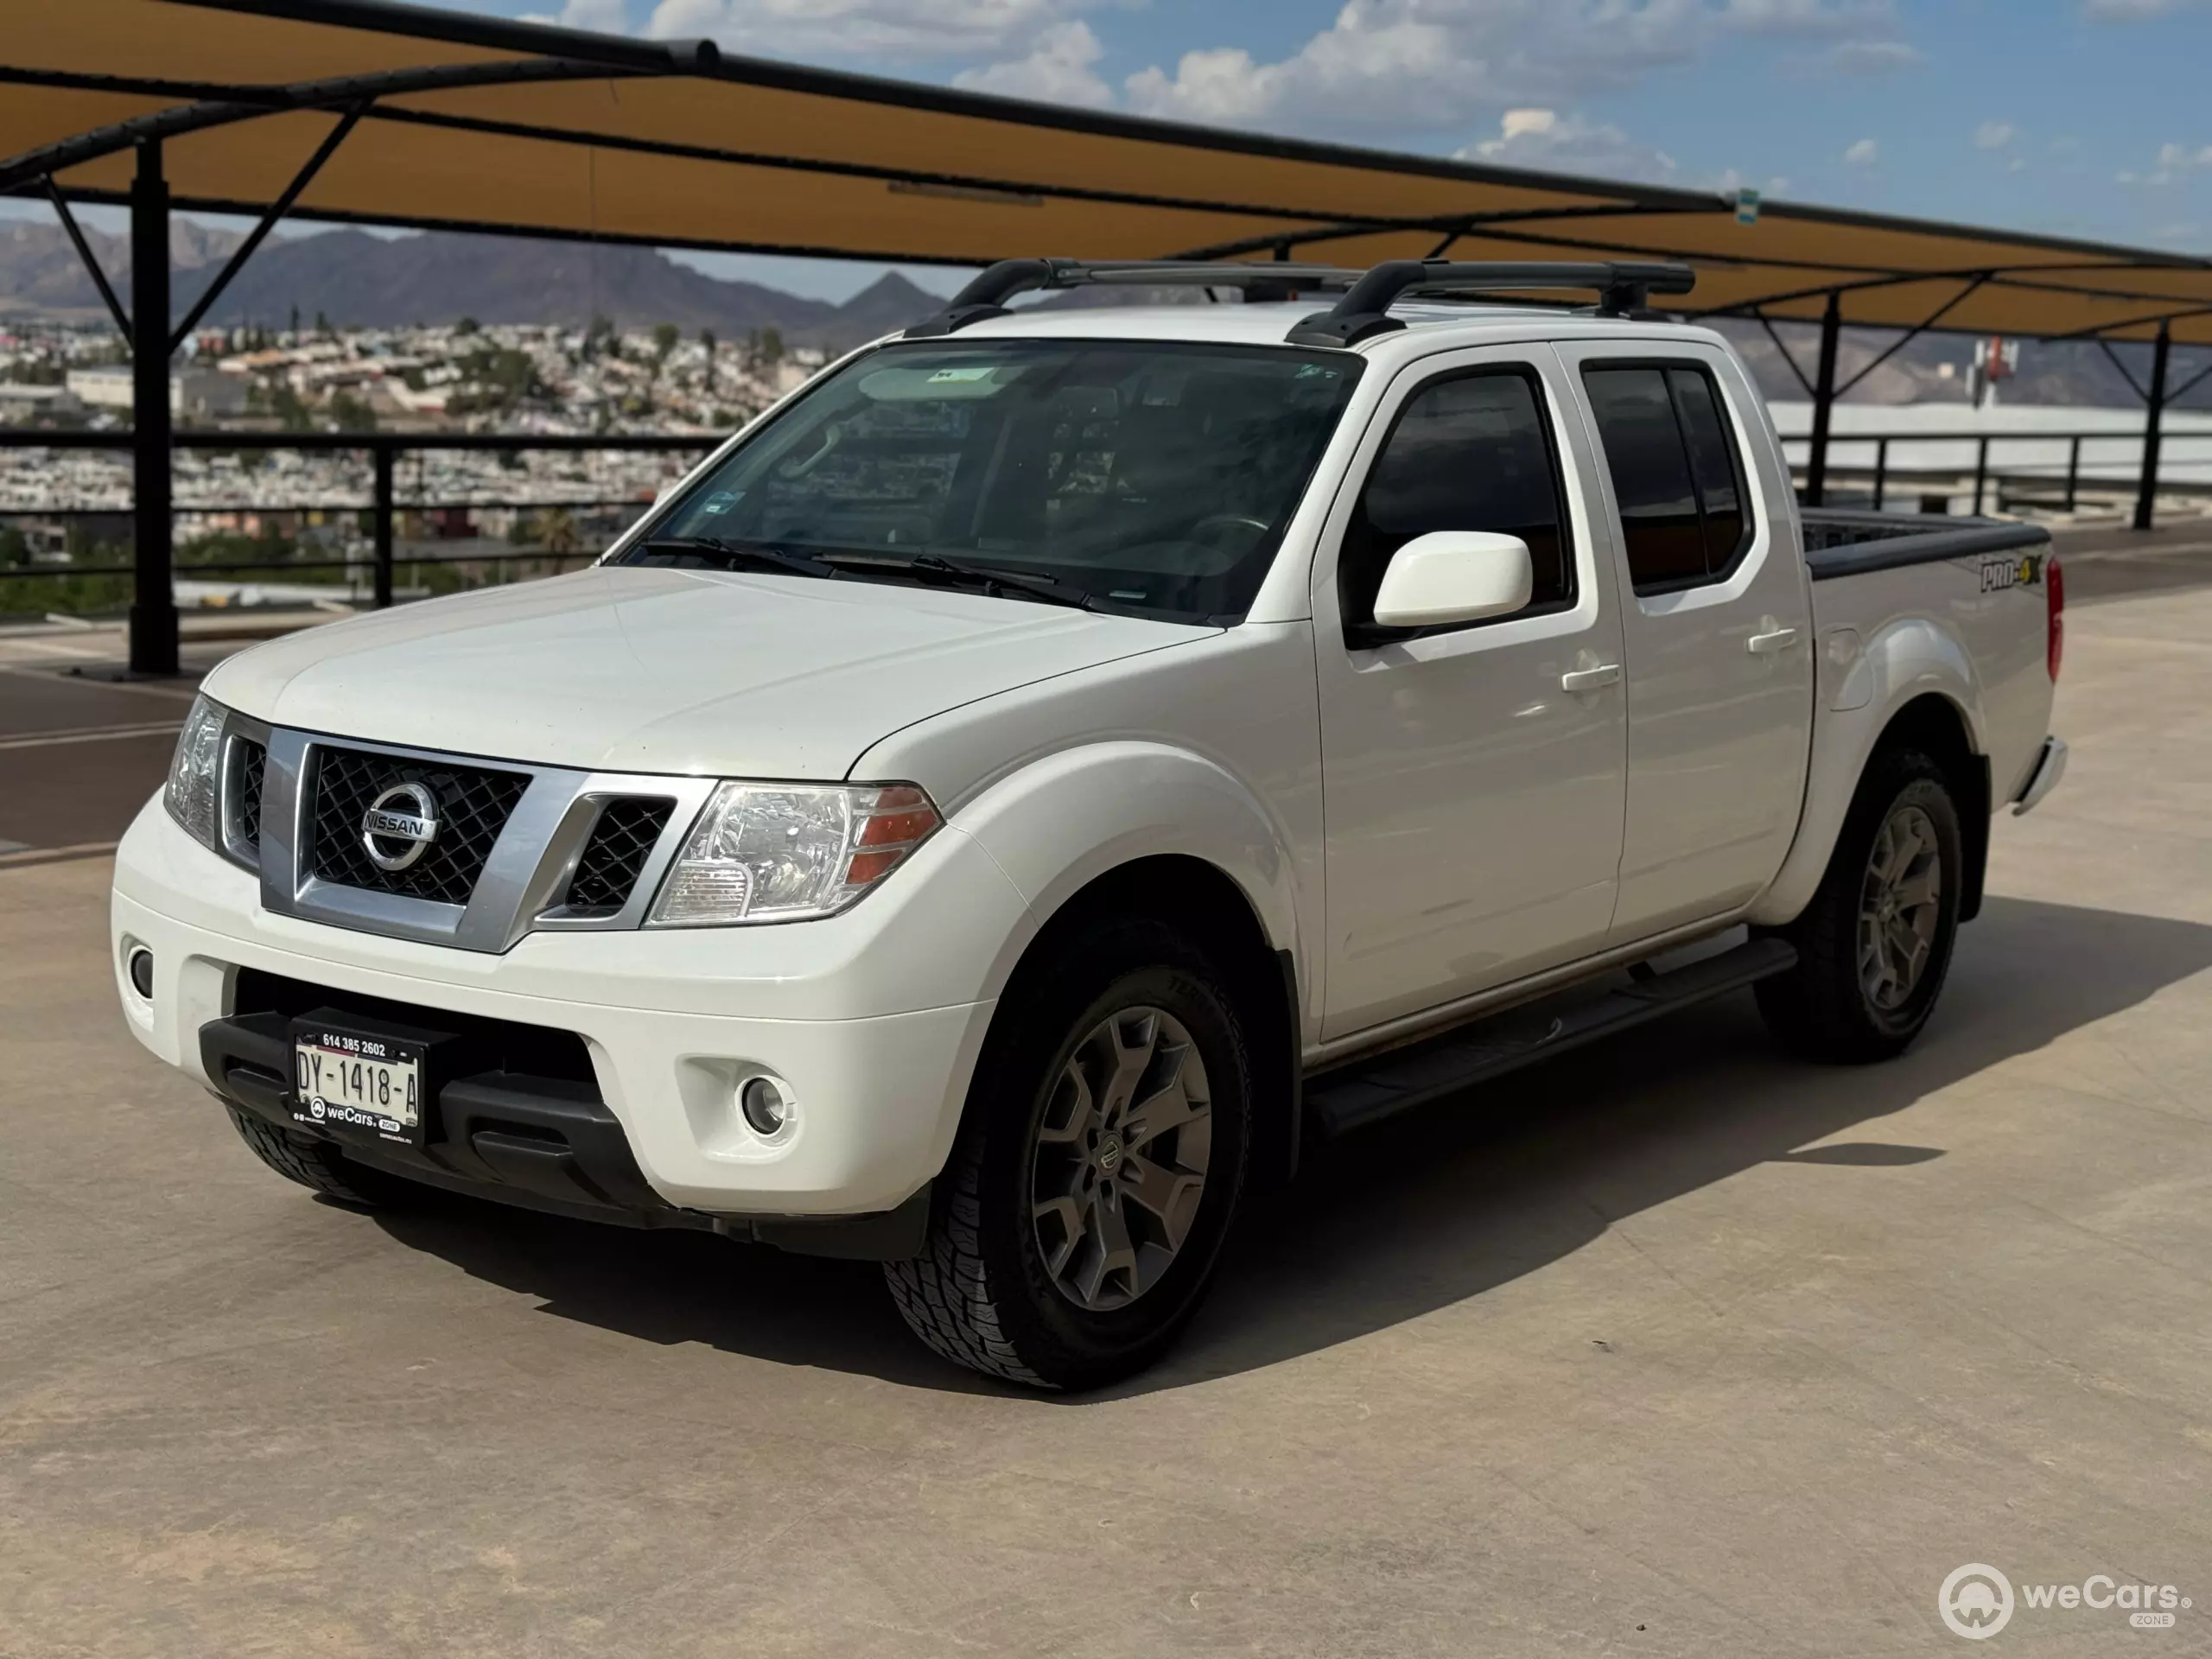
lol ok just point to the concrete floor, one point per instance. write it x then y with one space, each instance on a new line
1674 1348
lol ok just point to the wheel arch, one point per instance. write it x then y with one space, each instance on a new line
1937 726
1201 899
1931 712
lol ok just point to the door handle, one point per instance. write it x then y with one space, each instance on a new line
1589 679
1764 644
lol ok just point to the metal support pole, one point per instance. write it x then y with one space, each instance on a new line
2146 491
2073 471
1881 469
383 456
153 601
1980 472
1816 463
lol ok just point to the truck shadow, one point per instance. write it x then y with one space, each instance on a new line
1417 1214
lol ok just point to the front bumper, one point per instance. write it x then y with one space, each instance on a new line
872 1019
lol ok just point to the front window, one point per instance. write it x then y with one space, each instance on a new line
1141 476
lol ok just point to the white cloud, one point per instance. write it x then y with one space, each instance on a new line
603 16
1552 143
1865 153
1058 69
1728 181
1994 135
1404 65
894 29
2173 161
1874 57
2129 11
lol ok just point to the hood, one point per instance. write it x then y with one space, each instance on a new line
619 669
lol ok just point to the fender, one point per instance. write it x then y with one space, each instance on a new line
1065 820
1905 660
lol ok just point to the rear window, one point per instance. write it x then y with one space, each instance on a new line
1677 481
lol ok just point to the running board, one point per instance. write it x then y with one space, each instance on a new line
1367 1091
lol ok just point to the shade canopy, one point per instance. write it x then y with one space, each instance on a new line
466 122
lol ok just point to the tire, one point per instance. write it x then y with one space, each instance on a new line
1022 1275
1854 998
319 1165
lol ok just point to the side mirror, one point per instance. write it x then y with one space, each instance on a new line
1454 576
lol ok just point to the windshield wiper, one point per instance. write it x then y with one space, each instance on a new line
759 555
952 573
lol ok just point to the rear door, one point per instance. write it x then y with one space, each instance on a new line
1473 801
1716 622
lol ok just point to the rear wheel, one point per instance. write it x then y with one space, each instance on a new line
1084 1209
318 1164
1875 942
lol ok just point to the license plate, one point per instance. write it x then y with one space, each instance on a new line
358 1081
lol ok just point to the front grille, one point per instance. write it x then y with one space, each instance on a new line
251 760
473 806
615 856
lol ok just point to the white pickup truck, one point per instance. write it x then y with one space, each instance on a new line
1023 784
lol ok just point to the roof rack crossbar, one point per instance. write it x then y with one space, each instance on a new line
987 293
1624 289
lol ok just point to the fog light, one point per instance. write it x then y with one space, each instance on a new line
140 966
766 1105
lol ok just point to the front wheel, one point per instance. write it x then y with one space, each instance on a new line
1875 942
1103 1154
319 1165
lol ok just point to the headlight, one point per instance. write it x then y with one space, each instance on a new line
786 852
194 788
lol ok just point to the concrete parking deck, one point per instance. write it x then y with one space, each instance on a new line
1674 1348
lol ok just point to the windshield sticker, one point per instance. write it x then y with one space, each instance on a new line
722 500
963 375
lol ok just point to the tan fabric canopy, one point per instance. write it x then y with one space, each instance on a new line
463 122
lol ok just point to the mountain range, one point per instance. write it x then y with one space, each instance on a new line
358 280
355 279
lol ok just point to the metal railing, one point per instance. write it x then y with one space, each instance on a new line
383 508
1995 480
2045 484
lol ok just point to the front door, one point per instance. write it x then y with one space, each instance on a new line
1716 619
1473 802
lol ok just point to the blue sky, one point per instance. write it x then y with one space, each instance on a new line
2086 117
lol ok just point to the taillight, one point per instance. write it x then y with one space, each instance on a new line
2054 591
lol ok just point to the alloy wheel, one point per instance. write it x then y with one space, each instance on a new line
1900 908
1120 1164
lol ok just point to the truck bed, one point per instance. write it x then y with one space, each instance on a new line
1842 541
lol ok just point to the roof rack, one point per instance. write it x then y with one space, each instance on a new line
1624 291
988 290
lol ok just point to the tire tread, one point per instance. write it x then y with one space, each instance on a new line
949 1295
314 1164
1817 1009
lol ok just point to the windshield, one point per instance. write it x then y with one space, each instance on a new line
1142 475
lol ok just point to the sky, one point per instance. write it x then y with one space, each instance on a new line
2082 118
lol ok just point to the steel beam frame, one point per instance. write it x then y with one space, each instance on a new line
277 209
1824 394
153 601
2146 489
